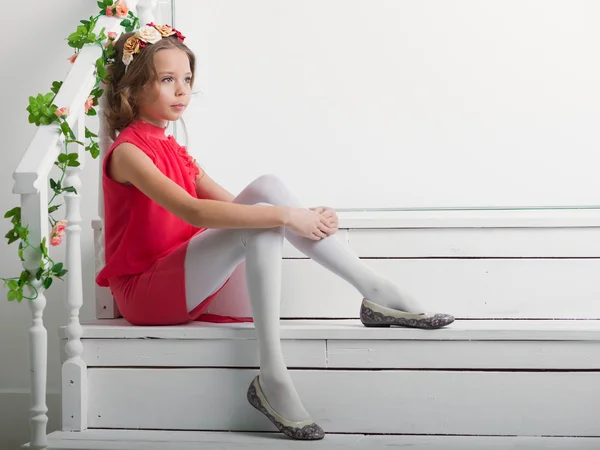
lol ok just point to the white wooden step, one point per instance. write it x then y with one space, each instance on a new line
484 377
181 440
344 344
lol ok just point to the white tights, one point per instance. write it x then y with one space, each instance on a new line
213 255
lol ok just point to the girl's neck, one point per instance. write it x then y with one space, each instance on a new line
151 128
156 122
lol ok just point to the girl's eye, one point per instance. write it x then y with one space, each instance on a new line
167 78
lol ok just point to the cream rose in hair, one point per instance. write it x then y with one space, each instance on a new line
149 34
164 30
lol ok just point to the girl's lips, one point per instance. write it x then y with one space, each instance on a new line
178 106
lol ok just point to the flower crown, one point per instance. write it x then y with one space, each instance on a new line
149 34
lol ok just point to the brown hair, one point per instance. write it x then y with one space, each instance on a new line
124 88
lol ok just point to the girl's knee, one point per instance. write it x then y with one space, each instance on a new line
268 183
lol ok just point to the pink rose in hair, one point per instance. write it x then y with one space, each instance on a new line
112 35
62 113
55 240
89 103
109 11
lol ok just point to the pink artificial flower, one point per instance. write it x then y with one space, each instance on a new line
55 240
60 227
122 9
62 113
89 103
73 57
112 35
180 36
109 11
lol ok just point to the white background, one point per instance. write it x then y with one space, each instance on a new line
398 103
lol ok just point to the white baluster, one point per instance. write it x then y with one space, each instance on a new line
145 10
74 370
34 213
106 307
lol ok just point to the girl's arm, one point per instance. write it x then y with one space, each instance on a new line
206 187
129 163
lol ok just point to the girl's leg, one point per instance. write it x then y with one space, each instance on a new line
211 258
330 252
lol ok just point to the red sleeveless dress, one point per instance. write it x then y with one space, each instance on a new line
145 245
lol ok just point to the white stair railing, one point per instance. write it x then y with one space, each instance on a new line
31 183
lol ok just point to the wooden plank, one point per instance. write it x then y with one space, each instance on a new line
512 330
192 440
345 354
466 288
380 354
386 401
476 242
470 218
194 353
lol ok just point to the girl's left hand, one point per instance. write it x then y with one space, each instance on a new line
329 214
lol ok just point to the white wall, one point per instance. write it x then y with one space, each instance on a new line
401 103
27 69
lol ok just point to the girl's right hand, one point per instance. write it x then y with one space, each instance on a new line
308 224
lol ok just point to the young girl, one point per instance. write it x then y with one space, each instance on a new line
173 236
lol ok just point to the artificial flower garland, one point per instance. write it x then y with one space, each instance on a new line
42 111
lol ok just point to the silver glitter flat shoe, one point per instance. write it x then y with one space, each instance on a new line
305 430
373 315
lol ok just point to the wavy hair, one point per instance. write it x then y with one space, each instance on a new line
123 91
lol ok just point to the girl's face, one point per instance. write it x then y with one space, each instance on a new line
167 98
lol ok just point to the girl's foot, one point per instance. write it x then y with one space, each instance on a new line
278 387
303 430
374 315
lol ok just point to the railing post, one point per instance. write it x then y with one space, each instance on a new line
106 307
74 370
34 214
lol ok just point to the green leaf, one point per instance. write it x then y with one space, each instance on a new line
39 273
43 248
101 5
13 212
12 284
70 189
12 296
94 149
53 208
89 134
62 158
73 164
66 129
108 2
56 86
97 93
24 276
57 267
91 112
47 282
